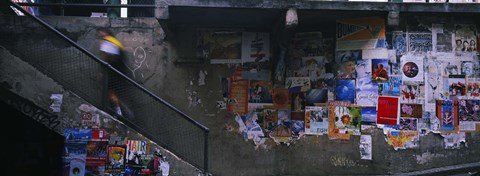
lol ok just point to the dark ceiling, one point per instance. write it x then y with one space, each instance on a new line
257 19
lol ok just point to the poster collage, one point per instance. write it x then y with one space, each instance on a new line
93 151
413 83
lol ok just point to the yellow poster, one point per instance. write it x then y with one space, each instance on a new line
360 33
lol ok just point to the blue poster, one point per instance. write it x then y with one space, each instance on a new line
345 90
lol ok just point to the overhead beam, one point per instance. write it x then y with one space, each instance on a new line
334 5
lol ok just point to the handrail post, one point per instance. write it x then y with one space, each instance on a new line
105 97
206 152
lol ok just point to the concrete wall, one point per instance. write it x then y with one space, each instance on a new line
152 60
24 80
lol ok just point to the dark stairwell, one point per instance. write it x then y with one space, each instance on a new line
77 70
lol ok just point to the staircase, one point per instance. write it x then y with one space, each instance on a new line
78 70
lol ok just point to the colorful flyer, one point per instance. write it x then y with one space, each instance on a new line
115 158
316 120
447 114
238 96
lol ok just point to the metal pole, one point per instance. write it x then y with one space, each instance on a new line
206 153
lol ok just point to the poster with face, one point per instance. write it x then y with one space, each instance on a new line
345 63
467 68
465 38
412 68
380 69
115 158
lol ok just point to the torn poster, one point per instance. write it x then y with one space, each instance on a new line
366 147
252 127
241 125
270 119
298 124
221 105
387 110
399 41
442 38
56 102
283 131
201 77
316 120
400 139
432 83
454 140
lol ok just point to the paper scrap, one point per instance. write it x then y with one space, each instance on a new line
366 147
57 102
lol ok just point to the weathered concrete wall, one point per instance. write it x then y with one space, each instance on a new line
152 59
27 82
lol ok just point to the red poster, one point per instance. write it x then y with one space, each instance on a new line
100 135
387 110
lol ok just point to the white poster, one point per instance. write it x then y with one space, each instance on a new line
412 68
255 47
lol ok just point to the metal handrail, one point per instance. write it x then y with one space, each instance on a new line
110 68
85 5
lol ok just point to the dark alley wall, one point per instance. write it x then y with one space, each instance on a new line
32 149
196 88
